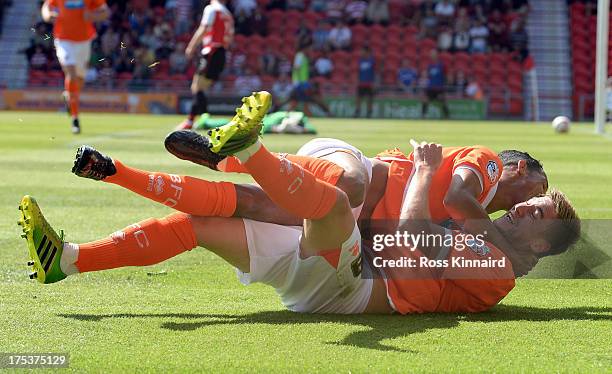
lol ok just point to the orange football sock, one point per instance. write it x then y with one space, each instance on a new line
288 184
183 193
322 169
145 243
231 164
72 87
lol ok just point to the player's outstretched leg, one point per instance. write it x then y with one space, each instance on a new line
191 146
292 187
183 193
144 243
44 245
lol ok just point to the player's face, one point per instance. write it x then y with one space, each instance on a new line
528 221
524 187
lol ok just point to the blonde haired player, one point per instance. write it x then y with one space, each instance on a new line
215 33
73 31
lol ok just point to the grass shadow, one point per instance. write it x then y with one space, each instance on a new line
376 328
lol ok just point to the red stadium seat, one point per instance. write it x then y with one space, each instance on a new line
497 104
394 45
338 78
378 44
426 45
390 77
480 61
515 69
395 31
447 59
498 59
481 77
409 53
516 106
360 32
410 31
378 32
461 58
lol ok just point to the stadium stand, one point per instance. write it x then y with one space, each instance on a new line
3 4
583 28
141 46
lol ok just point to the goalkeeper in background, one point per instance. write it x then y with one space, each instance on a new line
273 123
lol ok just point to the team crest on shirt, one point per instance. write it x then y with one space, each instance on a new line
74 4
479 249
492 171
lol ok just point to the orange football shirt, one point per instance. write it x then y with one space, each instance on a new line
450 289
483 161
424 290
70 23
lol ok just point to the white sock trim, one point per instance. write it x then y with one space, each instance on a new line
70 255
245 154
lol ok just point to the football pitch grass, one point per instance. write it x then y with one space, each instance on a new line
191 314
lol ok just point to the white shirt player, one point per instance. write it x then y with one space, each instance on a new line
219 25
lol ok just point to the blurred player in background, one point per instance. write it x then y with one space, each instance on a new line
304 91
73 31
216 33
436 85
367 78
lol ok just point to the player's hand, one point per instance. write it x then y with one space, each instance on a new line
53 14
50 14
427 155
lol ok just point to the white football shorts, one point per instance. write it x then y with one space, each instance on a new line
310 285
73 53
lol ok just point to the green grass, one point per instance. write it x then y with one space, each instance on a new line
191 314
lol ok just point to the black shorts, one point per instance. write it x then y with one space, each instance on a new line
211 65
365 90
434 93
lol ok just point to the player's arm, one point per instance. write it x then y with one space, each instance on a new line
415 217
461 201
99 14
207 21
47 12
195 40
462 204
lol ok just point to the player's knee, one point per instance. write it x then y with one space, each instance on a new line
245 201
353 183
342 205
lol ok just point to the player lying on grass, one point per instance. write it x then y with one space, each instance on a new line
471 183
316 268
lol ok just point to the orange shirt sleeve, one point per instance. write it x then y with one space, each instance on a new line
53 3
482 161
